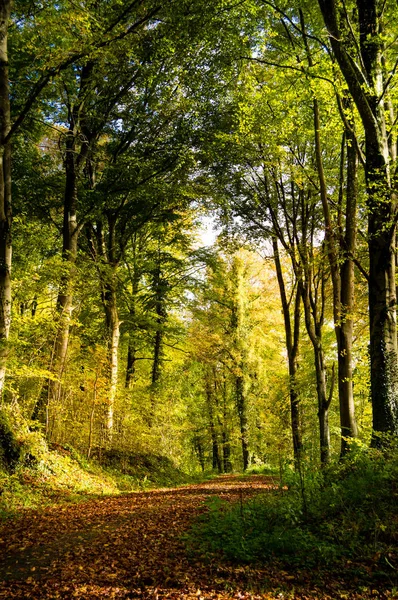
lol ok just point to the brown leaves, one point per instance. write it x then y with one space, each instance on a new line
131 547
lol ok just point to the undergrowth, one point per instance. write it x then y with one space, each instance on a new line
344 516
34 475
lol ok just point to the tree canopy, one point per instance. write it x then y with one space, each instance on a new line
125 128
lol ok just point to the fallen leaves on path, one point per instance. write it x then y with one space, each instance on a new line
131 547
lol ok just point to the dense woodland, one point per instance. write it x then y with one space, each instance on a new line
127 130
198 226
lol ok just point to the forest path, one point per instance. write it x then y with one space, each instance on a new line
130 547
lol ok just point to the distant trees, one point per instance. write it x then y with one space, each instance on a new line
232 344
128 124
252 173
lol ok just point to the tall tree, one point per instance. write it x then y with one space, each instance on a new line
232 330
239 352
369 78
30 83
292 322
5 191
340 247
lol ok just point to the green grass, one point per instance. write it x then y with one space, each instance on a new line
262 470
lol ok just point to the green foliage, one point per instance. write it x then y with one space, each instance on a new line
9 448
34 474
346 513
262 469
263 529
194 109
46 477
144 470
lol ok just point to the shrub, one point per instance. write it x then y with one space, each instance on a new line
347 511
10 449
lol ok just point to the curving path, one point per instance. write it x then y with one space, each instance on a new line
130 547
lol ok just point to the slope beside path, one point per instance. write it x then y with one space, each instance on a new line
130 547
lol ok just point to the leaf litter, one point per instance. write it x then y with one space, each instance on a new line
132 546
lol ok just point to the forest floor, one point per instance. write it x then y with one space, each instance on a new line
131 546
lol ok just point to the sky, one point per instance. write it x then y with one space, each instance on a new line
208 231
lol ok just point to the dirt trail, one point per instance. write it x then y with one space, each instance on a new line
131 547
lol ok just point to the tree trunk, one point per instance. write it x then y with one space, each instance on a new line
313 325
226 452
70 230
113 326
107 271
226 445
131 360
161 315
323 404
198 447
216 459
342 277
5 193
369 98
382 203
103 251
344 328
241 404
69 254
342 280
132 349
76 152
92 412
157 352
311 286
238 314
292 336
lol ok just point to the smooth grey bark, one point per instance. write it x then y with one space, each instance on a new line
109 299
